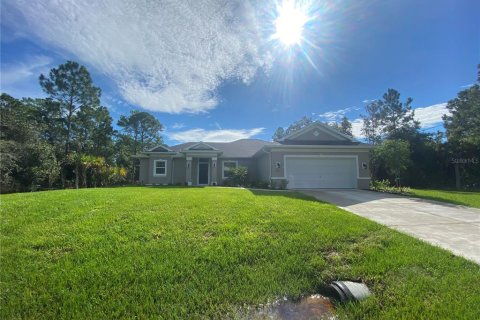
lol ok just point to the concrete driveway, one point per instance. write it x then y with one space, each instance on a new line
452 227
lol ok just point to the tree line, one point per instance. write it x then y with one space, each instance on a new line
67 139
404 154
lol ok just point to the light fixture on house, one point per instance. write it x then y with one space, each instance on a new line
214 164
188 164
277 165
364 166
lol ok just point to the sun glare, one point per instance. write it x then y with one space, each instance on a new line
290 22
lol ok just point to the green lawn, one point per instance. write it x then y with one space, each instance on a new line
466 198
190 253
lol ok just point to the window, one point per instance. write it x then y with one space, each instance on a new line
160 167
227 166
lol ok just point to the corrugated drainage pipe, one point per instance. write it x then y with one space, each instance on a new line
348 291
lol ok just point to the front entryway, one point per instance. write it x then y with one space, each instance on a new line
203 171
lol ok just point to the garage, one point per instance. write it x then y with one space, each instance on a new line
320 172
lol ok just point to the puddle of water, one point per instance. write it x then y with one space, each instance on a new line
310 307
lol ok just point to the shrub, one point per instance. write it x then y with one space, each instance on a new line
261 184
386 186
238 178
283 184
280 184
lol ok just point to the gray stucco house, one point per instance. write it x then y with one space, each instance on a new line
316 156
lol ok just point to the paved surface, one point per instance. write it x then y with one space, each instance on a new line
452 227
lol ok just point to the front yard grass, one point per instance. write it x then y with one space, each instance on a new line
466 198
170 253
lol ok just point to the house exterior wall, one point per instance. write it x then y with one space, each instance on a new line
260 168
194 171
179 171
263 167
143 171
163 180
363 156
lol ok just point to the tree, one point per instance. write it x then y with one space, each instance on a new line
27 158
395 154
102 134
71 86
279 134
48 168
13 132
463 132
388 118
344 126
48 113
372 122
297 125
397 116
143 129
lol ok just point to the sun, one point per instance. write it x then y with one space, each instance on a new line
289 24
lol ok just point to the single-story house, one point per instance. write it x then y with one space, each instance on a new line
316 156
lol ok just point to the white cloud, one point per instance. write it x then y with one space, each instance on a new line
431 116
178 125
163 55
357 128
32 67
332 116
224 135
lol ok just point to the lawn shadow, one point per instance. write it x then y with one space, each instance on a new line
443 200
292 194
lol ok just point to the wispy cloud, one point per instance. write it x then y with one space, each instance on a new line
31 67
224 135
429 117
163 55
336 115
357 128
20 79
178 125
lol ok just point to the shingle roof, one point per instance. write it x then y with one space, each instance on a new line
243 148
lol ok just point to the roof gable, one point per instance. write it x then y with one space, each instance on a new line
201 146
160 149
317 133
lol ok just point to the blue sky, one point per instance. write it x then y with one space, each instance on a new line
213 71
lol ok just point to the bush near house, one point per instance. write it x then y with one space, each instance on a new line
238 177
386 186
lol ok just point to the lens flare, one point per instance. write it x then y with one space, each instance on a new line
290 22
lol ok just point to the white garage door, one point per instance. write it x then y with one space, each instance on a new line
321 173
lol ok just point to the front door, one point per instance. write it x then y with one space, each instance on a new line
203 172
